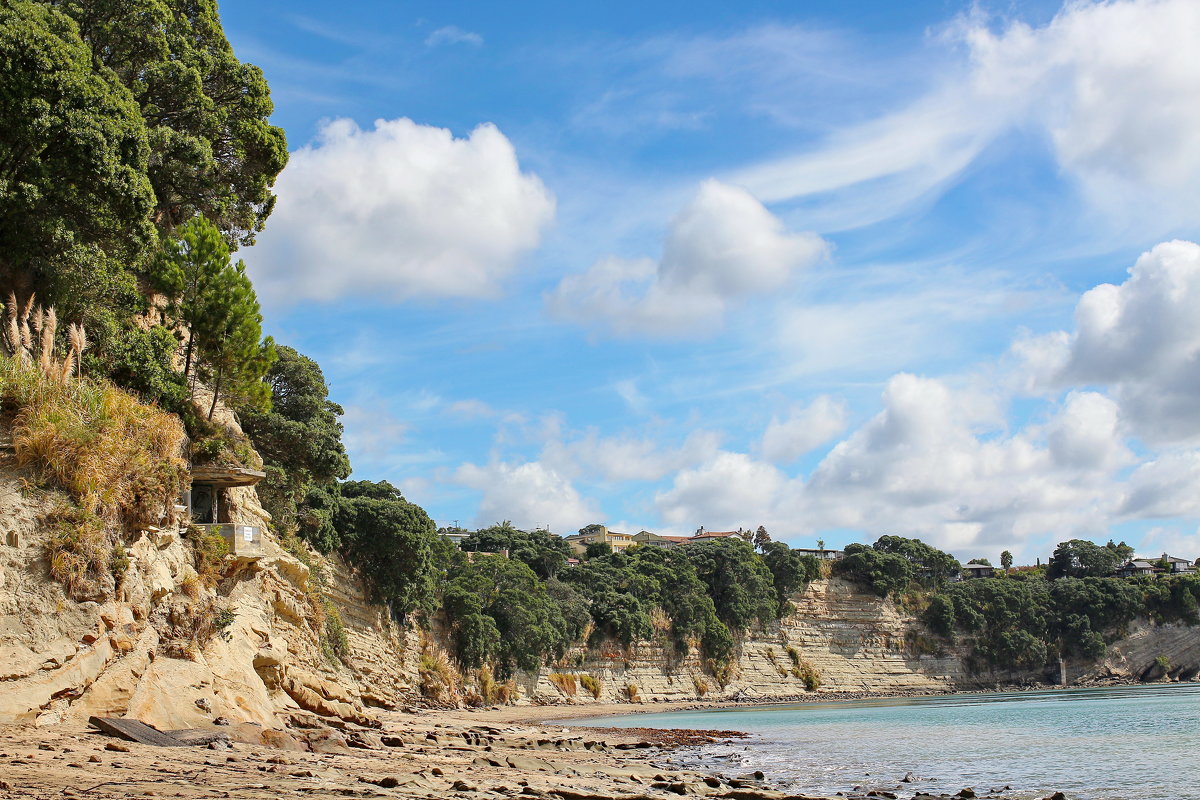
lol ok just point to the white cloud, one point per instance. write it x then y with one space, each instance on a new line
1164 487
936 463
397 212
1170 540
804 429
529 494
1140 339
372 431
452 34
723 246
730 489
625 458
1112 86
471 409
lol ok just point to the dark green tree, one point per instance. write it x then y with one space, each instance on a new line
790 571
1124 552
213 150
597 550
1006 560
391 541
530 624
544 552
739 583
761 538
236 357
300 441
1079 558
931 567
215 302
883 573
74 188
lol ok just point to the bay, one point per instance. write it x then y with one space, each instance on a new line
1124 743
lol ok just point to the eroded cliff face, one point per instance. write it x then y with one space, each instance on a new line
850 641
167 648
854 642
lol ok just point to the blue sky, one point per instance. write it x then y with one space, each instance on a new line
841 269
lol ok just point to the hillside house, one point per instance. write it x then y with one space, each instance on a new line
1138 566
617 541
820 553
971 571
1165 565
706 536
1177 566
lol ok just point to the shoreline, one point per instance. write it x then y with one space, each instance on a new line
566 713
423 754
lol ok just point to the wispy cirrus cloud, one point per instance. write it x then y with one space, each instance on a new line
452 34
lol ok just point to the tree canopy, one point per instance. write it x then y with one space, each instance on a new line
212 150
300 441
1079 558
74 157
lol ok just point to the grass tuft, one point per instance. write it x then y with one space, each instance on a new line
565 681
592 684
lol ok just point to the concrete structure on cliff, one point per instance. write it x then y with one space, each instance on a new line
208 506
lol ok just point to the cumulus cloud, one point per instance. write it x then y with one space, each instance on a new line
730 489
400 211
1111 85
625 458
1141 340
529 494
936 462
1164 487
723 246
804 429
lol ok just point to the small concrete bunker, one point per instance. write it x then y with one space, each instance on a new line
208 506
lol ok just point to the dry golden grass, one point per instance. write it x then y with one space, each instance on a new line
80 553
439 680
118 458
592 684
566 682
209 548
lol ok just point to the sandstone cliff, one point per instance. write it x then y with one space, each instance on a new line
171 650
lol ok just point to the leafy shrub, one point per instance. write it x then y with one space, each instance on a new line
700 685
335 644
209 549
631 691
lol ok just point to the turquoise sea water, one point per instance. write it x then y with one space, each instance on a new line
1129 743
